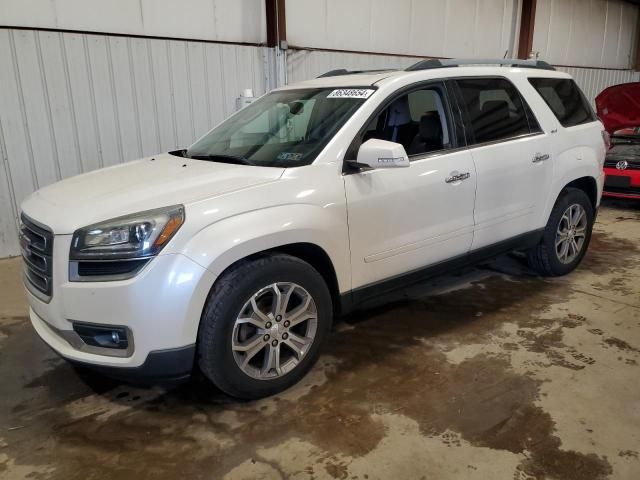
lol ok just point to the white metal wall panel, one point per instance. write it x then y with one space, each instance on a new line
70 103
223 20
444 28
587 33
593 81
307 64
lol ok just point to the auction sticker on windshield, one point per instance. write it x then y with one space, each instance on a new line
351 93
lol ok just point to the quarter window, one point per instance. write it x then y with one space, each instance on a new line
565 100
495 110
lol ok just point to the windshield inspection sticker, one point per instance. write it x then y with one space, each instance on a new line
351 93
292 157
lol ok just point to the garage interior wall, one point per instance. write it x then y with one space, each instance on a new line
92 83
593 40
73 102
589 33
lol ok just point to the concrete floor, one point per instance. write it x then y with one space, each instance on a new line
490 374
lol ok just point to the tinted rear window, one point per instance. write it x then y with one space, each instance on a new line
565 100
495 109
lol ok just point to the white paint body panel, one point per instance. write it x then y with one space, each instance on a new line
512 190
372 225
406 218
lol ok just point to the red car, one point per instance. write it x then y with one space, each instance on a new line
619 109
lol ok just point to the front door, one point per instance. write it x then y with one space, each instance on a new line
404 219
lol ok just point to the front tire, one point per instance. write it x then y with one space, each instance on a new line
566 236
263 325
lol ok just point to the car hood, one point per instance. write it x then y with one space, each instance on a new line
136 186
619 106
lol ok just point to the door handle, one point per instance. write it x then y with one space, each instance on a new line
540 157
457 177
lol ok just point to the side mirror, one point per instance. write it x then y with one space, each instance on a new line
377 153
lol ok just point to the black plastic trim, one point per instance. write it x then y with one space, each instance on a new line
350 300
160 366
106 270
343 71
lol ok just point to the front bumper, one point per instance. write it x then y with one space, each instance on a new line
160 307
622 183
168 365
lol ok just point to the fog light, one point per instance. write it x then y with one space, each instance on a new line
104 336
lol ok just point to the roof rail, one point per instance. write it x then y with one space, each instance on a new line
343 71
460 62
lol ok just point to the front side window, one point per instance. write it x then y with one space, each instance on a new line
286 128
565 100
417 120
495 110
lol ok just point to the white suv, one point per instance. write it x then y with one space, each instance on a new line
234 255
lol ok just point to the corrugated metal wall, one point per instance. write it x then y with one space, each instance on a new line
70 103
241 21
586 33
306 64
445 28
592 81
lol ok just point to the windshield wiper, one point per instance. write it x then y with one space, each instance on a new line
222 158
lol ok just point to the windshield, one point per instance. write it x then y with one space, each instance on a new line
286 128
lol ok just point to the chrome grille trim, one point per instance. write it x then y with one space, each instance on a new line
632 165
36 243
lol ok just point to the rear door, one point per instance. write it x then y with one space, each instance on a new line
579 140
512 159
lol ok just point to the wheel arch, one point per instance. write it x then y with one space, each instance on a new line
588 185
308 252
584 181
313 235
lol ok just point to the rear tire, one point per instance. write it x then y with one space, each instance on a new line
263 326
566 236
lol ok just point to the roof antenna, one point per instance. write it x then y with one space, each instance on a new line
506 52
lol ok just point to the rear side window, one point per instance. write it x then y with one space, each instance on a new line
565 100
495 109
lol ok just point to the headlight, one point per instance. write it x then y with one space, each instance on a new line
138 235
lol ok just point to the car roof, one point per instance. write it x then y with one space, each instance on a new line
379 78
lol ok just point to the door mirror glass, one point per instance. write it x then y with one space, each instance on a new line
377 153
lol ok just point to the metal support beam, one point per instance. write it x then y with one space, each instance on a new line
276 59
527 25
636 63
276 23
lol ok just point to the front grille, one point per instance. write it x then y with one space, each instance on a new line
630 165
36 242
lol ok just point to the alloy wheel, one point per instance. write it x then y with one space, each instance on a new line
571 233
274 330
